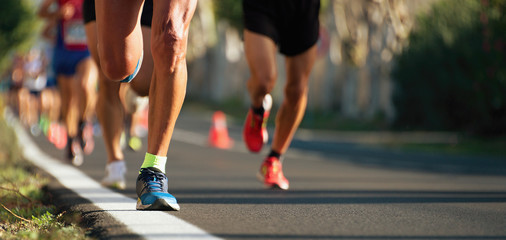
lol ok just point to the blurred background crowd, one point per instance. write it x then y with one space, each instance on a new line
435 65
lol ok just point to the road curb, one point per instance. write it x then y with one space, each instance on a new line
75 190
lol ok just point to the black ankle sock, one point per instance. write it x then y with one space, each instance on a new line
80 128
259 111
275 154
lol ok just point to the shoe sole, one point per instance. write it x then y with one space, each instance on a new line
159 205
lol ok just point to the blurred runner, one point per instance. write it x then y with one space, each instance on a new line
75 72
134 110
35 81
292 28
50 116
16 83
120 48
114 99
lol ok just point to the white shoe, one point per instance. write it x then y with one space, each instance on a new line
115 175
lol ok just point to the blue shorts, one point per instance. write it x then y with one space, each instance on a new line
51 82
65 61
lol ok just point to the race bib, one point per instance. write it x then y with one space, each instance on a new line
74 36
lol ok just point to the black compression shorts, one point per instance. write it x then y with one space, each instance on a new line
89 12
292 24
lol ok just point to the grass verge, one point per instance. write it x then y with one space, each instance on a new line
25 210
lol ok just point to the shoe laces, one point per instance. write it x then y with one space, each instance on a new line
152 179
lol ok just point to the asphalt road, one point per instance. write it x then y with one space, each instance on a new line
338 189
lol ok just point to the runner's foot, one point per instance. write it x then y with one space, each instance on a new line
152 191
271 174
85 135
74 152
57 135
255 128
135 143
115 175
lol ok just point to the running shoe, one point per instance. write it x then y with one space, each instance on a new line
57 134
115 175
271 174
85 135
255 128
44 123
152 191
35 130
75 152
135 143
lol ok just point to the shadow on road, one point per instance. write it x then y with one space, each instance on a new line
241 196
404 160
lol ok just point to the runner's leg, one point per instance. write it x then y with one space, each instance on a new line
110 112
171 21
294 103
119 36
261 56
142 81
69 103
87 75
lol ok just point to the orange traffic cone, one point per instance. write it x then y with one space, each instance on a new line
218 134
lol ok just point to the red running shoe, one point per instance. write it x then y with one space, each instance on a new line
271 174
255 128
86 138
57 135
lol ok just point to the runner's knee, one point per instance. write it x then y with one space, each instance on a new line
295 92
117 66
169 47
264 80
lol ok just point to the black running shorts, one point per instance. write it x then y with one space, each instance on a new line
89 12
292 24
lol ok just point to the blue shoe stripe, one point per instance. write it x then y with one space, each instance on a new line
151 197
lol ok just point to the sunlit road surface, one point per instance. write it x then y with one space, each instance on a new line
338 190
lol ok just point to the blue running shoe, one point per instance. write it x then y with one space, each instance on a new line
152 191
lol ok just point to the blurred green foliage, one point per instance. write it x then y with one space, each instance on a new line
230 11
453 75
18 24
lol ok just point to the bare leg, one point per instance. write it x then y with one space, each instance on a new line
140 84
109 109
171 21
122 36
110 112
294 103
86 75
110 115
69 104
119 36
55 111
24 105
261 56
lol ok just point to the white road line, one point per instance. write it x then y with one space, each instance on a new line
148 224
